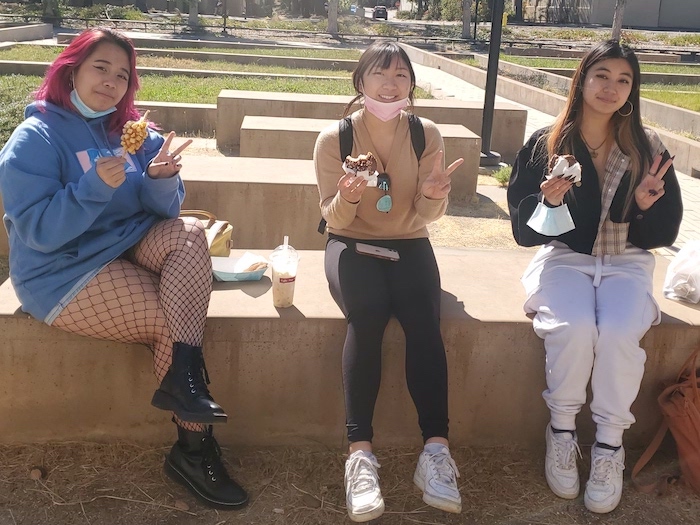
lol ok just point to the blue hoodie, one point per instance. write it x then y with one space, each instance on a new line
64 223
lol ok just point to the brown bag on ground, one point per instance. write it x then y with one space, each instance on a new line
680 407
218 232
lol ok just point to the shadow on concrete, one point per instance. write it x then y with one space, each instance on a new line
482 207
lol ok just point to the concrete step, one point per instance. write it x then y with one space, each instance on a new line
294 138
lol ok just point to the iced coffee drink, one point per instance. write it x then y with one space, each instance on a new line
284 272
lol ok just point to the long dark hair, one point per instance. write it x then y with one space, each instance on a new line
380 54
627 129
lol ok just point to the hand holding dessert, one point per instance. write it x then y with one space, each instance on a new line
358 172
564 172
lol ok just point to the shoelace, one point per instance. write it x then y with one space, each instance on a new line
197 374
211 458
566 452
362 471
603 467
445 468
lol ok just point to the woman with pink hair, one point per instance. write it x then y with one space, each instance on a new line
97 247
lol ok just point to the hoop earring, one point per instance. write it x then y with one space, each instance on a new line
628 113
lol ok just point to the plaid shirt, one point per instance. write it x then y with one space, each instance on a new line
612 236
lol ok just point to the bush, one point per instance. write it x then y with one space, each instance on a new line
451 9
502 175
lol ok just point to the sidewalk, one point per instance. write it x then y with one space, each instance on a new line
443 85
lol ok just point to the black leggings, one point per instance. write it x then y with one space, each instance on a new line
368 291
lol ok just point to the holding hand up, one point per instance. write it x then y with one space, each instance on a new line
438 183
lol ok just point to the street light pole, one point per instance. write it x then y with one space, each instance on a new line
488 157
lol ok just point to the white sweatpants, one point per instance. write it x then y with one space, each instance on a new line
592 312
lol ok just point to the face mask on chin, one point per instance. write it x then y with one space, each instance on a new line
86 111
384 111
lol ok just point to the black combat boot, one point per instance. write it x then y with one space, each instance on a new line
184 388
195 463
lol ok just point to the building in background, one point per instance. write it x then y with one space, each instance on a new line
666 14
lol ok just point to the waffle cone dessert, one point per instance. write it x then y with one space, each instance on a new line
134 134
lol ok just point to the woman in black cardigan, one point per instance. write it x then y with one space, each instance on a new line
590 285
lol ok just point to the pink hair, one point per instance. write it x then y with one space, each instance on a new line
58 83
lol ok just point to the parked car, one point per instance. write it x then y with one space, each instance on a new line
353 8
380 12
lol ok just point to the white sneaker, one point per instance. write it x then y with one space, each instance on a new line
604 487
436 475
560 463
362 495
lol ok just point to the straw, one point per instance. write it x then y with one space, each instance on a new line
286 241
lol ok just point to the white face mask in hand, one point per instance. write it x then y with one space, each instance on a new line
551 222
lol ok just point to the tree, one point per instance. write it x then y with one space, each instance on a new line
49 9
333 17
617 19
193 19
467 19
518 10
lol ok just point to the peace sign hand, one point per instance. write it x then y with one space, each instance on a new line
651 189
438 184
167 163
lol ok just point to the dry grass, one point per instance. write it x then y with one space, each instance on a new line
123 484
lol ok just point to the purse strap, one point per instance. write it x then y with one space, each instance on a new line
200 214
687 374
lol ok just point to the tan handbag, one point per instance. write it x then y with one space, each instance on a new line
218 232
680 407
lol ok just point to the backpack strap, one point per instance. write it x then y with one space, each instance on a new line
345 136
345 140
417 134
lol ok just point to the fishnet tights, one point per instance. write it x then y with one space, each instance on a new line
157 294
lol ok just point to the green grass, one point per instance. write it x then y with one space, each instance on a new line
683 96
15 91
48 53
145 60
572 63
178 88
216 65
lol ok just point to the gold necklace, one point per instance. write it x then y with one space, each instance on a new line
594 151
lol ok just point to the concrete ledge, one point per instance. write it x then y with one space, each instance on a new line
190 119
21 33
508 125
294 138
265 60
578 53
264 199
277 372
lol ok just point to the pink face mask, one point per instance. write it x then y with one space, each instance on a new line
385 111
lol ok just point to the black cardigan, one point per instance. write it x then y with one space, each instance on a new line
658 226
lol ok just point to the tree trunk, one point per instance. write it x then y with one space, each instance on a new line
333 17
466 19
617 19
193 19
518 10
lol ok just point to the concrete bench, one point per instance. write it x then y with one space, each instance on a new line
508 124
294 138
277 372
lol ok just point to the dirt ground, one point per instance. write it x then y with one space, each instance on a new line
115 484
